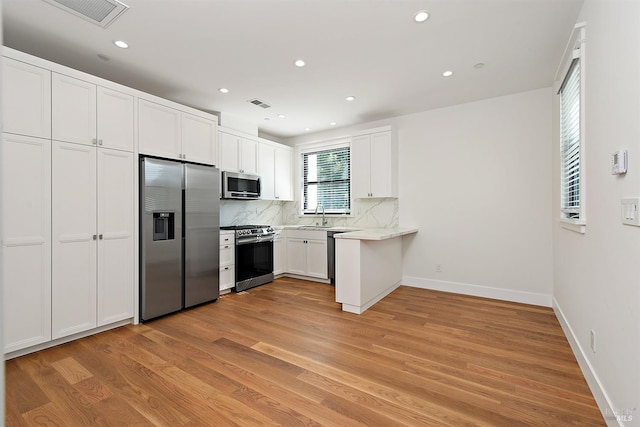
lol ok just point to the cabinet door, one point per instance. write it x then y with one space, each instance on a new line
279 255
317 259
73 307
115 120
248 156
115 284
283 174
159 130
296 256
26 99
381 158
228 152
361 166
26 224
73 116
266 170
199 137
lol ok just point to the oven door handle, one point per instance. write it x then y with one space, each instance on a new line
254 239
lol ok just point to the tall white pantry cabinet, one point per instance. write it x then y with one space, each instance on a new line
68 179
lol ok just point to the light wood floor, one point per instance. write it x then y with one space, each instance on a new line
284 354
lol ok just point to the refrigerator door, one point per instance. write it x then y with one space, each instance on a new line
161 237
202 234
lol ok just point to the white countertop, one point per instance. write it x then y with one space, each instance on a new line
376 233
356 233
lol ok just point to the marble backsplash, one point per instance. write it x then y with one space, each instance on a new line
374 213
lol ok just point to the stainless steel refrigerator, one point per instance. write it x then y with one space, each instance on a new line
179 236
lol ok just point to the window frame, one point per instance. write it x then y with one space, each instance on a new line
574 52
320 147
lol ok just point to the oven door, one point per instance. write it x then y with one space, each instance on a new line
254 258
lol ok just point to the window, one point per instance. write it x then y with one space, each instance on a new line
326 181
571 136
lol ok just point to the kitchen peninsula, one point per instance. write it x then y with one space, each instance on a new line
368 266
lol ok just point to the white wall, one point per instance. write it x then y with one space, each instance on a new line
476 180
597 275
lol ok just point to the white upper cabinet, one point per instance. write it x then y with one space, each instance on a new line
173 134
237 154
73 110
275 170
248 156
26 244
283 173
266 170
26 99
199 136
115 120
159 132
84 113
374 161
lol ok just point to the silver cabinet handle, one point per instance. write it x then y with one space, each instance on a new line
94 141
100 237
99 142
95 237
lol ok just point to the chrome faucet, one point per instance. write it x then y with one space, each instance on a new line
324 220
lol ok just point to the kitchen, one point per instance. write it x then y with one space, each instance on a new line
464 210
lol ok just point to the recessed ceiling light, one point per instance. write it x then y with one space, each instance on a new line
350 98
121 44
333 123
307 129
223 90
281 116
447 74
421 16
300 63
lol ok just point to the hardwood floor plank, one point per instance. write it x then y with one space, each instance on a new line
285 354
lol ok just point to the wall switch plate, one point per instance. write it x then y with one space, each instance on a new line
629 211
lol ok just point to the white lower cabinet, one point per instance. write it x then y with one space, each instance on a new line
116 284
307 253
26 223
280 252
227 260
92 215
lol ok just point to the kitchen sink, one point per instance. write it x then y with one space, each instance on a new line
312 227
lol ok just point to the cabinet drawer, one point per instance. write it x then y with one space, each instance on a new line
227 277
227 253
227 239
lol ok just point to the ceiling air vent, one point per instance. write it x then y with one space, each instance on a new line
100 12
260 103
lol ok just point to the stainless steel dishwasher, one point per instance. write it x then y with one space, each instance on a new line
331 255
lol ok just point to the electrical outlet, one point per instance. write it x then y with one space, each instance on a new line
438 268
593 340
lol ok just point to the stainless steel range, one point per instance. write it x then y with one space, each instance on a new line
254 255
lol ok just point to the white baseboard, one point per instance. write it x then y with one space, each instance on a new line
599 394
533 298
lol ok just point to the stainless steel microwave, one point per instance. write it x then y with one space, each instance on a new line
241 186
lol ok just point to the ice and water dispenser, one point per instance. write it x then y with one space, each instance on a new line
164 226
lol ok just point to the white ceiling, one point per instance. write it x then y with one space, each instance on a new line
185 50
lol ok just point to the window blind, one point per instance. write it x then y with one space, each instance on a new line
327 181
570 141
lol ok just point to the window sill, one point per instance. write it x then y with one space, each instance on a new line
575 226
